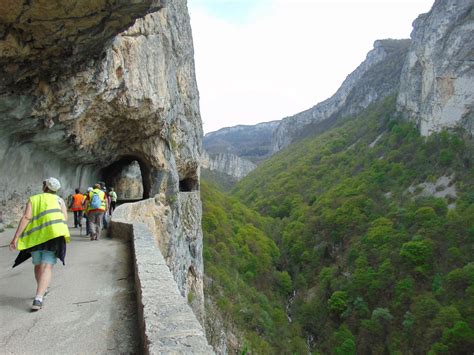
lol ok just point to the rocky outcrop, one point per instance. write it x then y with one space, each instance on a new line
229 164
80 100
436 89
376 78
40 39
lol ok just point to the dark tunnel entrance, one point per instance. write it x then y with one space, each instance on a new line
129 177
188 185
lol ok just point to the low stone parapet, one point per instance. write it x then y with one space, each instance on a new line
167 323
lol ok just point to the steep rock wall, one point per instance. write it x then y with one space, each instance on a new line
95 100
229 164
437 82
377 77
236 151
40 42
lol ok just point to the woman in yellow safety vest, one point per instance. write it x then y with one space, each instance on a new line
42 233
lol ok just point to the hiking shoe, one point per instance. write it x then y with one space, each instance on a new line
37 305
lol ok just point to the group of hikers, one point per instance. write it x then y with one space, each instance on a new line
42 232
96 205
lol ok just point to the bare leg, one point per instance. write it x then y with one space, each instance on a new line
45 272
37 273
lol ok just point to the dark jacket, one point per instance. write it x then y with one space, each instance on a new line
57 245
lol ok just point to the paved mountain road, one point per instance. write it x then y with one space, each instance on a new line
90 309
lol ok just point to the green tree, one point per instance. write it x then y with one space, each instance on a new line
338 302
459 338
284 282
418 254
343 342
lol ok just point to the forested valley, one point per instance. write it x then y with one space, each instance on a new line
356 240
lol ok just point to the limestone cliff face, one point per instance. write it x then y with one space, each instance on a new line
236 151
229 164
437 83
83 94
40 38
377 77
43 44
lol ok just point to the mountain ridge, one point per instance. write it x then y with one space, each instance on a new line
363 86
360 88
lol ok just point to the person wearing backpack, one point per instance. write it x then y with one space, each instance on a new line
105 220
96 207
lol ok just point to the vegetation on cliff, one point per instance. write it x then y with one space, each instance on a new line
240 260
346 250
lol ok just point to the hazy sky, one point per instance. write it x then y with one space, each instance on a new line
263 60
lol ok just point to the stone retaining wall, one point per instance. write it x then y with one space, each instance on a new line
167 323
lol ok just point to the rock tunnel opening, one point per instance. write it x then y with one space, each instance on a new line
129 176
188 185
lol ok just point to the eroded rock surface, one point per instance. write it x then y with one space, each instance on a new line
229 164
236 151
41 37
437 83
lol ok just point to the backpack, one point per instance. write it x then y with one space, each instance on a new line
96 202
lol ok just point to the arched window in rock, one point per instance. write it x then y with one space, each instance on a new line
188 184
128 177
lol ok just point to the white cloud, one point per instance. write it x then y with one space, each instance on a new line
289 57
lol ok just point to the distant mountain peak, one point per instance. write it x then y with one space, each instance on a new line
377 77
238 128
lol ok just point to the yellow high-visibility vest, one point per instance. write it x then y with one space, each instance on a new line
103 202
47 222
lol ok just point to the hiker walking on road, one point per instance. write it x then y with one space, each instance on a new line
96 207
89 189
105 219
42 233
113 200
77 207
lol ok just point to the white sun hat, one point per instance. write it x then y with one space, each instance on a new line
53 184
